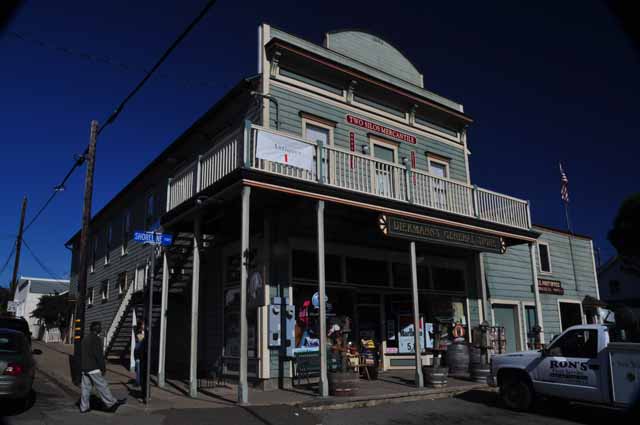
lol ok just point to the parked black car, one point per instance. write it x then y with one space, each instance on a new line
17 367
17 324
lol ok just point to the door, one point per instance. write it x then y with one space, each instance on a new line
570 367
316 133
383 173
506 316
439 195
570 315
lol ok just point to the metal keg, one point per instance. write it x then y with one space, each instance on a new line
435 376
458 357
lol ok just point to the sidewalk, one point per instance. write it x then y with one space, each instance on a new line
389 388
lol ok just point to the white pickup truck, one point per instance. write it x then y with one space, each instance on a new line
581 364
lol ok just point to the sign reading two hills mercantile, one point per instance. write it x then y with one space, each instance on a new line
427 232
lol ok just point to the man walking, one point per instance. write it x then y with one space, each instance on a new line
93 369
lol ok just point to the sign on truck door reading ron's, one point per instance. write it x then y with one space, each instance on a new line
572 362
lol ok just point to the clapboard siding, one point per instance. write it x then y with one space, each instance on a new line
362 67
291 104
509 275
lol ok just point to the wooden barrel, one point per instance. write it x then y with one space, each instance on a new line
475 356
479 373
435 377
458 358
343 384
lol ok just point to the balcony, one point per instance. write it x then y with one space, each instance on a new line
283 154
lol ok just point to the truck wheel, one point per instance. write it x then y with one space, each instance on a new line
517 394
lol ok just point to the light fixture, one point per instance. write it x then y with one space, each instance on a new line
365 149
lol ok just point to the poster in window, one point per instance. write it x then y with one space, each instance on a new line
406 335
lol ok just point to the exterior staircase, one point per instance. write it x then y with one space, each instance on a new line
119 338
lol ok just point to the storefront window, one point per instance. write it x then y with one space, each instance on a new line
364 271
232 325
402 276
446 279
305 266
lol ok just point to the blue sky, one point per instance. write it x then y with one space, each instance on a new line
544 82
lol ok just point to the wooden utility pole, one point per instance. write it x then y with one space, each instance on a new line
16 264
90 160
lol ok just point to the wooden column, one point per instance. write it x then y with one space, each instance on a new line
243 386
163 321
324 381
416 316
195 300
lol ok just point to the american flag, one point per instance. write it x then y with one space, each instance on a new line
564 185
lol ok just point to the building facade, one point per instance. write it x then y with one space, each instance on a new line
333 170
28 294
619 280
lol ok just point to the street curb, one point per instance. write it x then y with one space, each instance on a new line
336 403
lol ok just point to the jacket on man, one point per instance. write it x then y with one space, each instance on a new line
92 354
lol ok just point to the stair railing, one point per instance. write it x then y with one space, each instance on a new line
119 317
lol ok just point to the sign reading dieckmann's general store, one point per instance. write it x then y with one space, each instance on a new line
420 231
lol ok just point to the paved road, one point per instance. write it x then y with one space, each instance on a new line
53 406
472 408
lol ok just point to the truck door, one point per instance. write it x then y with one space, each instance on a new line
570 367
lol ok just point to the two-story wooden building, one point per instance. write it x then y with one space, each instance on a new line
332 170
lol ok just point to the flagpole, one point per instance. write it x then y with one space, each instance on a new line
565 201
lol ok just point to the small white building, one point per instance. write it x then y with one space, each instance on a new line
619 283
28 294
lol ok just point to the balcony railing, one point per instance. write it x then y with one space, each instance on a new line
268 150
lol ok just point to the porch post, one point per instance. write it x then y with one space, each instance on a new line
324 383
536 292
416 317
195 292
163 320
482 279
243 388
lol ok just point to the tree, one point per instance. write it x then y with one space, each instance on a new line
625 234
54 311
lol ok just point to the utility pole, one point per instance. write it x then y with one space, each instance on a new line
16 264
90 158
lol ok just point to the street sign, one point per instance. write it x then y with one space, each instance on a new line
12 306
153 238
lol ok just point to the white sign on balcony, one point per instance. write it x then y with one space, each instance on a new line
284 150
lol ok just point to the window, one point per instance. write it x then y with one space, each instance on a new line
150 216
367 272
545 257
446 279
104 290
90 297
577 343
122 283
108 237
305 266
140 278
401 273
614 287
384 175
531 320
438 168
570 314
94 252
126 231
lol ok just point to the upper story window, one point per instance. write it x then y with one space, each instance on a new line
150 211
545 257
438 166
122 283
90 297
126 231
94 253
108 237
316 129
104 290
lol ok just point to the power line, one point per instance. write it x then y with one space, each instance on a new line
102 60
165 55
9 257
114 115
40 263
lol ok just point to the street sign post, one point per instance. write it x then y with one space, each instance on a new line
158 240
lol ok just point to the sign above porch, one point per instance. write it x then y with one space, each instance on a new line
444 235
548 286
389 132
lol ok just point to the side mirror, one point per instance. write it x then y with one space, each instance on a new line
36 352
